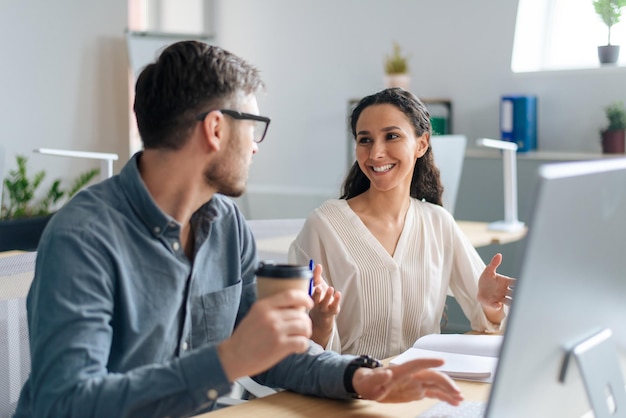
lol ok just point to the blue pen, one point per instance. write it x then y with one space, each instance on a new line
311 265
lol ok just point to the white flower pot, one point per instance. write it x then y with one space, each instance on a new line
398 80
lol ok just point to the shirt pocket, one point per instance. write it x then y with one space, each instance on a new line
214 315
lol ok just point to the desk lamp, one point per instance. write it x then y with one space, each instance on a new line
509 150
106 164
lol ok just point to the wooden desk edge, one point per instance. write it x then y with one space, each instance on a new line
288 404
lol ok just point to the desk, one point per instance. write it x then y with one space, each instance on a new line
480 236
10 253
276 247
292 405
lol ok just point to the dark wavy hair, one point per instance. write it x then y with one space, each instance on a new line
426 183
188 78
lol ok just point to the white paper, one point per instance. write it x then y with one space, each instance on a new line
478 345
467 357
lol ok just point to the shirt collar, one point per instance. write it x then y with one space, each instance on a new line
140 199
148 211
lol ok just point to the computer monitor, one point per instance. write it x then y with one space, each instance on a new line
571 285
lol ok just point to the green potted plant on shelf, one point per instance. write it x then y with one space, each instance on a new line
397 69
22 215
613 136
610 12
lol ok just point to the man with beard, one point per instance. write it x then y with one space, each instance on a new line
144 296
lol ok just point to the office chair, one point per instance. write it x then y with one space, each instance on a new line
2 162
16 275
449 154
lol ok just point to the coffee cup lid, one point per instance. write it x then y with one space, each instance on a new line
287 271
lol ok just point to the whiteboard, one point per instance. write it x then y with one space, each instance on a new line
145 47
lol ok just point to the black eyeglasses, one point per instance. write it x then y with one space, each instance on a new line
261 123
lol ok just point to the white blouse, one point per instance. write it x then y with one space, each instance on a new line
388 302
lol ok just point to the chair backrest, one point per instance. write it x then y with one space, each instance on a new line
273 236
16 275
449 153
2 162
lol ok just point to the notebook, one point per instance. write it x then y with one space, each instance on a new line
467 357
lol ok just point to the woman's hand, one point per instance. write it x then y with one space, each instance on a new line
494 290
327 301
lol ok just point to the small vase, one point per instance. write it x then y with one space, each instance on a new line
608 54
613 142
23 233
398 80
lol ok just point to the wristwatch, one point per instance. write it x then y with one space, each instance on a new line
361 361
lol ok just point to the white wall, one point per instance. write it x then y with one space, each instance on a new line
63 81
315 56
64 68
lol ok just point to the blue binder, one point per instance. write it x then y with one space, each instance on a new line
518 121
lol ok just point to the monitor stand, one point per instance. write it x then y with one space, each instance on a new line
599 365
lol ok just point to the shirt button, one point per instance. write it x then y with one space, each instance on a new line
156 229
212 394
185 346
175 245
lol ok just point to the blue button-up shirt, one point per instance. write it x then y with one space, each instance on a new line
122 323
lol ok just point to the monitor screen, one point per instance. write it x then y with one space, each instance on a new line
571 284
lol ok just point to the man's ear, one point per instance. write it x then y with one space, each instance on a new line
214 129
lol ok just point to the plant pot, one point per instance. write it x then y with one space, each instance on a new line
22 234
608 54
398 80
613 142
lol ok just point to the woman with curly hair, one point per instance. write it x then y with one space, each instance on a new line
390 252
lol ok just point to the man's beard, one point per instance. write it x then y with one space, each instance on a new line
229 176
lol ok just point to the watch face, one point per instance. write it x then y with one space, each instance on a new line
367 361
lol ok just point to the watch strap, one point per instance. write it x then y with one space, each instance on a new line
358 362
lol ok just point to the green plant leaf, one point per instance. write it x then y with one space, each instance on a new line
616 115
610 11
18 198
396 63
81 181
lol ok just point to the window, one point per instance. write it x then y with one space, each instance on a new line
562 34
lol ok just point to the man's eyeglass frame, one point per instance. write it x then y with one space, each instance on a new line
240 116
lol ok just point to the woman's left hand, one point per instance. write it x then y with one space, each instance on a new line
495 290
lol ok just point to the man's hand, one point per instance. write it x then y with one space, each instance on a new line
274 328
405 382
327 301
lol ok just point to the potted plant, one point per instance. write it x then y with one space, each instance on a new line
610 12
613 136
22 216
397 69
